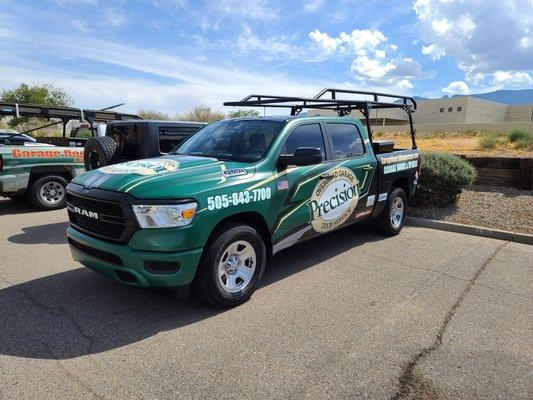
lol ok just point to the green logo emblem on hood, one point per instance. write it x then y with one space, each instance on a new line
141 167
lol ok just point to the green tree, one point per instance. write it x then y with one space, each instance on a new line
36 93
201 113
243 113
153 114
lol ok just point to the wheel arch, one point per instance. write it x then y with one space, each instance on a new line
250 218
64 171
401 183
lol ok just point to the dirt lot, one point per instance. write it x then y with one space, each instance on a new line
497 207
347 316
456 143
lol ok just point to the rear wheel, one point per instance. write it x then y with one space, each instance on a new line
48 192
232 266
392 218
99 152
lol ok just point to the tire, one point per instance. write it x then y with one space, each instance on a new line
391 220
99 152
48 193
225 276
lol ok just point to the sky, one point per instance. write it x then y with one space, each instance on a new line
167 55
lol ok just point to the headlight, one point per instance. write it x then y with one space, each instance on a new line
164 216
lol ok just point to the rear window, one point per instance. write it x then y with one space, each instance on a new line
346 140
127 137
172 136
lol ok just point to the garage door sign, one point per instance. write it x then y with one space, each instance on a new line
334 200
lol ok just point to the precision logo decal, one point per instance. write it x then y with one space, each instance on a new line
141 167
334 200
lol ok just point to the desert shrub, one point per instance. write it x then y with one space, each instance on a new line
470 132
201 113
516 135
490 140
525 143
442 178
153 114
242 113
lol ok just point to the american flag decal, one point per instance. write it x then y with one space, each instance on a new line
283 185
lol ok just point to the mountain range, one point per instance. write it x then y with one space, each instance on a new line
523 96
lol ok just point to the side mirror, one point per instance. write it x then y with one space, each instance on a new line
302 156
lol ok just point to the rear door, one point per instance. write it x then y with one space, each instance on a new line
295 187
355 161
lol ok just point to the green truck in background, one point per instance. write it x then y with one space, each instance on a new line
40 169
210 213
39 173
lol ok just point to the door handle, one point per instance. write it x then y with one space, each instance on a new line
326 176
368 167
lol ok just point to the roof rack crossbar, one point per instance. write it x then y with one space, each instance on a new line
65 113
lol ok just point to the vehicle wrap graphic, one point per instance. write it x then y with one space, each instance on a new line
399 163
141 167
237 198
20 161
334 200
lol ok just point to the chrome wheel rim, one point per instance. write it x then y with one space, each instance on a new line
396 212
237 266
52 193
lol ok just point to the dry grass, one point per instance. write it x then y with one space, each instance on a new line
457 143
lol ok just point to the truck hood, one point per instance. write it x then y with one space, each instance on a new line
165 177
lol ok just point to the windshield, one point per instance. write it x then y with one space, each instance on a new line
235 140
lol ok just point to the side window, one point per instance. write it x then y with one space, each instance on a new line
170 138
304 136
346 140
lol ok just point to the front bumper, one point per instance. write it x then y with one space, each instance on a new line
132 267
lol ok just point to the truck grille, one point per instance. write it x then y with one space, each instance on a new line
93 216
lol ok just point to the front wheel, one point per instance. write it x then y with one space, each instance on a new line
232 266
392 218
48 192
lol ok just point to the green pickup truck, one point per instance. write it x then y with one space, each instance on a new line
39 173
212 212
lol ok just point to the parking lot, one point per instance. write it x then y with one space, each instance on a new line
426 314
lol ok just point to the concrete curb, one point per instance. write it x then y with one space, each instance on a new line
470 230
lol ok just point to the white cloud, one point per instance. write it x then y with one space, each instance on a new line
371 66
185 82
457 87
326 42
434 51
254 9
312 5
273 47
511 78
359 41
483 37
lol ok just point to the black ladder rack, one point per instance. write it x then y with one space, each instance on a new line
64 114
327 99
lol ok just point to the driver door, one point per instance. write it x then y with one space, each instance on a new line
295 186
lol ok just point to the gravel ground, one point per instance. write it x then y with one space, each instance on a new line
488 206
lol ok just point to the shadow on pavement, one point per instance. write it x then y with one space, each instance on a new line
48 234
79 312
8 206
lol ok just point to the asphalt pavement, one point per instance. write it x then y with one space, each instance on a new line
426 314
